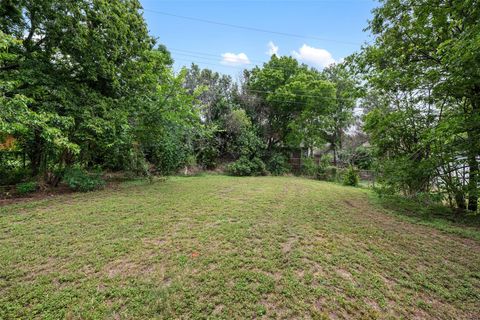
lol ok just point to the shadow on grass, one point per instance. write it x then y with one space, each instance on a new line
465 224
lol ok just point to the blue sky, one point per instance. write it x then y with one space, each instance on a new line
320 31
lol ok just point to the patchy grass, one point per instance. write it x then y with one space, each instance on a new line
434 215
224 247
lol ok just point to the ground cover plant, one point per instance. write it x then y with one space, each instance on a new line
230 247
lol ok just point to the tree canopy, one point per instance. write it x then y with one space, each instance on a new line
83 85
424 64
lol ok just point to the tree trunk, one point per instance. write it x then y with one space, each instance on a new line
473 132
36 154
460 200
334 155
472 183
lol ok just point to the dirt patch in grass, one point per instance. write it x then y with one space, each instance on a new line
287 246
345 274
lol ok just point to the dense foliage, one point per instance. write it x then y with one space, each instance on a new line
279 108
80 180
350 177
83 85
247 167
422 89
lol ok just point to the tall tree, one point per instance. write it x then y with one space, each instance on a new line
216 94
78 62
343 113
293 103
429 50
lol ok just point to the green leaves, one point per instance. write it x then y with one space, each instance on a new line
81 83
298 103
424 66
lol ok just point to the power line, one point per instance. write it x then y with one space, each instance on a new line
215 57
249 28
305 95
255 64
264 91
239 68
210 63
200 55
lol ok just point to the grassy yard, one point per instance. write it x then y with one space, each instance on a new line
224 247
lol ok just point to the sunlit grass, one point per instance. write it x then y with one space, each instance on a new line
224 247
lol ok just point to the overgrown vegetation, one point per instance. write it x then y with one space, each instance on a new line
422 94
26 187
247 167
85 86
278 164
350 177
80 180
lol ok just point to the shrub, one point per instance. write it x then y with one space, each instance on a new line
326 160
169 154
363 158
309 167
323 172
278 164
328 173
26 187
208 155
247 167
191 161
407 175
12 172
79 179
350 178
248 144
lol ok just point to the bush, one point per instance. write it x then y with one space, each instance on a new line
246 167
278 164
309 167
350 178
328 173
207 156
406 175
79 179
363 158
12 172
326 161
26 187
169 154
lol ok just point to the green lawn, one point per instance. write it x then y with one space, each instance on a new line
224 247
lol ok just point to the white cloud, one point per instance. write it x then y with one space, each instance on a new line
272 49
232 59
314 56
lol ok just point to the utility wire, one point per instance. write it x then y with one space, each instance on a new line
213 57
204 55
248 28
245 67
271 92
